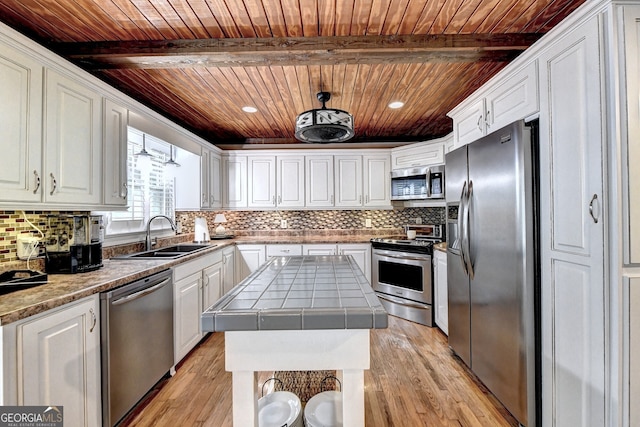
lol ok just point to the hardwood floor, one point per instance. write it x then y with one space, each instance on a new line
414 380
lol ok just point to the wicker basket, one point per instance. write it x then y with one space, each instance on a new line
305 384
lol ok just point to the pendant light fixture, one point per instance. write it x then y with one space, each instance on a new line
324 125
143 152
171 162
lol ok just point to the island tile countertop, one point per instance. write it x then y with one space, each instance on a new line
299 293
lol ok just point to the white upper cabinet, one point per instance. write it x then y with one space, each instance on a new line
469 122
210 180
290 181
115 153
516 98
376 180
319 181
507 99
215 181
363 181
308 179
348 181
235 181
73 142
424 153
261 181
204 178
21 174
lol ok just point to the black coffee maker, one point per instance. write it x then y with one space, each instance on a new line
74 243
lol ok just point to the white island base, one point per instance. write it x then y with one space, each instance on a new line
343 350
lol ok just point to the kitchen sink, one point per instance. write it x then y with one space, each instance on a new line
170 252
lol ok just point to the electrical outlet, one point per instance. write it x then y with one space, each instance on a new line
418 220
283 223
367 223
27 246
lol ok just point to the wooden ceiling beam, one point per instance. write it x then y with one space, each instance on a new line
282 51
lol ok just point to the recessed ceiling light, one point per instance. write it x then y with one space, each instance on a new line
249 109
396 104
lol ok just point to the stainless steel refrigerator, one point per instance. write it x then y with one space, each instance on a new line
492 265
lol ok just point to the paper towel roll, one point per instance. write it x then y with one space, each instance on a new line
201 230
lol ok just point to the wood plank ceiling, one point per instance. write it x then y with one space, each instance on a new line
199 62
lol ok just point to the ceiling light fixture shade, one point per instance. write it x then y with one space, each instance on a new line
325 124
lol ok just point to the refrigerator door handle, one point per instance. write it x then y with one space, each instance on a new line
466 244
461 227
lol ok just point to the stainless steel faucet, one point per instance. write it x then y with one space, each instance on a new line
147 244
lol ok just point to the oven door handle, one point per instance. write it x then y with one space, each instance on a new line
405 257
401 301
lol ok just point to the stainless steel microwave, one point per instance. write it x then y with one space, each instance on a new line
418 183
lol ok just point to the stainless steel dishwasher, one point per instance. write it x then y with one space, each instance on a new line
137 342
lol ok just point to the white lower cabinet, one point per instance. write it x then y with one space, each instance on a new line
283 250
250 258
361 252
59 361
186 308
634 351
440 304
320 249
212 288
228 269
197 284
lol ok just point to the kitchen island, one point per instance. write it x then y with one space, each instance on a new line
294 314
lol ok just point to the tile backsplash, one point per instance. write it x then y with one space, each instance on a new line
315 220
13 223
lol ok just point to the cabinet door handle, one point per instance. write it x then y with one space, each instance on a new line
366 198
479 121
273 200
35 173
360 199
593 199
487 120
125 191
54 184
280 199
94 319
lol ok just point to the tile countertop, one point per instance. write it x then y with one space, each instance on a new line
299 293
65 288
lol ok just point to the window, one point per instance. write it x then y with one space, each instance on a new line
151 186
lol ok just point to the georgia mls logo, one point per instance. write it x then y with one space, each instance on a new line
31 416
